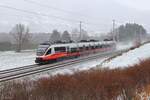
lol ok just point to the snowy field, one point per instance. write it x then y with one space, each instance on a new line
11 59
130 58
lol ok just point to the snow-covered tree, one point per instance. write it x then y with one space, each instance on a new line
84 35
66 37
75 34
55 36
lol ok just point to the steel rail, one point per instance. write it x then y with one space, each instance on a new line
35 65
22 72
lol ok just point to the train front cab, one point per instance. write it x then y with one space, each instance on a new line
58 53
52 54
40 59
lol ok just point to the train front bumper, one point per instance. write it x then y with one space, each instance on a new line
39 60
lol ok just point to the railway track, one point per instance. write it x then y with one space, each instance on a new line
11 74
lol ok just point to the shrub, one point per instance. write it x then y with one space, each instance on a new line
100 84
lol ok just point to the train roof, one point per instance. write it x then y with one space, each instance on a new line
80 43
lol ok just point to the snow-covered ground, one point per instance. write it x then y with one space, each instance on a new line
130 58
70 69
11 59
122 46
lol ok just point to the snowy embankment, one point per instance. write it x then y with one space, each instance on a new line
11 59
130 58
123 46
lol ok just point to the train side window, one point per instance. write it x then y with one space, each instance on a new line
101 46
93 47
80 48
60 49
87 47
73 50
96 46
108 46
48 52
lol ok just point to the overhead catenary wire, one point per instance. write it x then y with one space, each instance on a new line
22 18
62 10
54 8
50 16
46 15
57 9
36 13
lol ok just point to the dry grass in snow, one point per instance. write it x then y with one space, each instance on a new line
102 84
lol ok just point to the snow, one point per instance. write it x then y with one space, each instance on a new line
86 65
130 58
80 67
122 46
11 59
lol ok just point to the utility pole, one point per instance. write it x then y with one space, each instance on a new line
114 35
80 29
140 36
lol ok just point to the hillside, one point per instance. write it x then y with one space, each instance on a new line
130 58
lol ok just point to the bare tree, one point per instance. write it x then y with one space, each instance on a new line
21 35
66 36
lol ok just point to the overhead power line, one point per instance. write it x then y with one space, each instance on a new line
55 8
46 15
49 16
61 10
36 13
30 19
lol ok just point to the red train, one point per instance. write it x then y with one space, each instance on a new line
47 53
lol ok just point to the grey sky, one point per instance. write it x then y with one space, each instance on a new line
97 15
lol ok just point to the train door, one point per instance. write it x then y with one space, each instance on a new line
49 51
68 49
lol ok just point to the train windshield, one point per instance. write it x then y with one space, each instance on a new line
42 49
